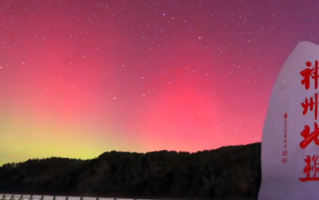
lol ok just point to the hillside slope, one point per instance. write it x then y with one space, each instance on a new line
233 171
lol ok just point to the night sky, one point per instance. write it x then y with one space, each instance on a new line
81 77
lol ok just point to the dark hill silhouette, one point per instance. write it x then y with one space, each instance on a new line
227 172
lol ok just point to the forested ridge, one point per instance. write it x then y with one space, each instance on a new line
227 172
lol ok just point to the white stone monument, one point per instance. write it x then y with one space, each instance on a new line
290 143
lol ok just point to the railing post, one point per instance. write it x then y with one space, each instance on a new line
21 197
31 197
12 197
3 196
54 198
42 198
66 198
81 198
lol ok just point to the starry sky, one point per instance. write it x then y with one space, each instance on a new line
81 77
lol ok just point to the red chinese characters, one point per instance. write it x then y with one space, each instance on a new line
310 73
285 152
310 104
311 166
309 137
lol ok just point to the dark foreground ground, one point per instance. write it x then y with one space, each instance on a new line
227 173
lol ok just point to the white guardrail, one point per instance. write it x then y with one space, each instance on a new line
47 197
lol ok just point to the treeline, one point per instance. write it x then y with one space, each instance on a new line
227 172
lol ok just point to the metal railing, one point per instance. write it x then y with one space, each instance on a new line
48 197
